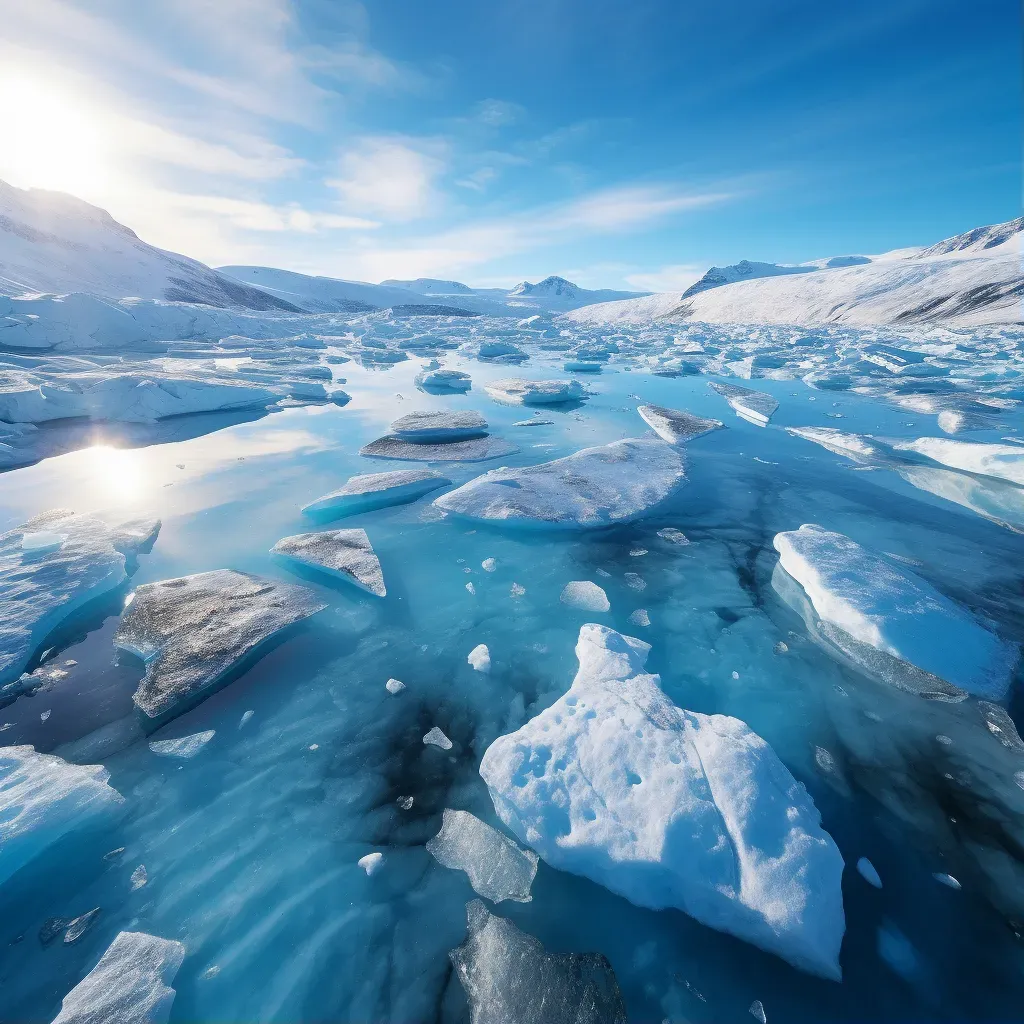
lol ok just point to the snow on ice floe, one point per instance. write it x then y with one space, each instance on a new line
191 632
480 658
537 392
754 406
498 868
183 747
599 486
868 603
43 798
44 585
675 425
671 808
1000 461
441 381
436 738
375 490
509 977
439 427
478 449
586 596
131 984
344 554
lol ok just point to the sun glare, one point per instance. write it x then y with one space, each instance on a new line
116 475
52 139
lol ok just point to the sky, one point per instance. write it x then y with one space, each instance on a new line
625 145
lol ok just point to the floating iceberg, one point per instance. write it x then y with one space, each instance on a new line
130 985
478 449
184 747
671 808
375 490
857 447
437 738
439 427
480 658
193 631
444 380
884 606
537 392
498 868
508 977
753 406
44 585
586 596
42 798
675 425
344 554
595 487
1000 461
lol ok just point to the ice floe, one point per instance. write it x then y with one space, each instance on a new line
440 381
498 868
479 449
375 490
439 427
883 607
344 554
585 595
1000 461
508 976
519 391
595 487
437 738
675 425
183 747
480 658
193 631
754 406
131 984
671 808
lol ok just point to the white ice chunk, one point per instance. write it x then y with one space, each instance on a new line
757 1011
857 447
1001 461
439 427
947 880
372 862
477 449
886 606
595 487
184 747
868 873
376 490
444 380
640 617
343 554
480 658
489 564
498 868
673 536
537 392
587 596
131 984
436 738
753 406
671 808
675 425
510 979
191 632
42 798
394 686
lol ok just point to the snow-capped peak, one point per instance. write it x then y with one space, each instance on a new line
549 286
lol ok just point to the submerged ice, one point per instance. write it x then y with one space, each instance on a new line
371 491
344 554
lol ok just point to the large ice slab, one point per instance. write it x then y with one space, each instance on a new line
510 979
131 984
671 808
444 380
375 490
344 554
439 427
599 486
537 392
754 406
43 585
42 798
675 425
192 631
887 607
1000 461
498 868
478 449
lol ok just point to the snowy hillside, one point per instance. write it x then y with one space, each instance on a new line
51 242
430 286
971 279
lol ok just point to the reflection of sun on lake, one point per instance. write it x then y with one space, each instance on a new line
115 475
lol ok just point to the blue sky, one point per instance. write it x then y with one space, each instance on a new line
621 144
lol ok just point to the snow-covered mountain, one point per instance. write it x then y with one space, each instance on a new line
970 279
430 286
51 242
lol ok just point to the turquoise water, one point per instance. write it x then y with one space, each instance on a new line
250 849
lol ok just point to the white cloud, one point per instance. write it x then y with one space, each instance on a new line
675 278
390 177
497 113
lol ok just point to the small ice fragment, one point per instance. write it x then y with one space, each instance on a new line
634 581
436 738
245 718
637 552
114 854
497 867
757 1011
371 862
868 872
946 880
184 747
586 596
80 925
394 686
211 972
825 761
405 802
488 565
314 746
480 658
52 927
946 741
735 675
44 715
781 647
604 572
673 536
640 617
517 590
471 588
40 541
139 877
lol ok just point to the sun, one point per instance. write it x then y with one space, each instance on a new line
52 138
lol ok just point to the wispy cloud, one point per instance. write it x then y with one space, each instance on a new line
675 278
